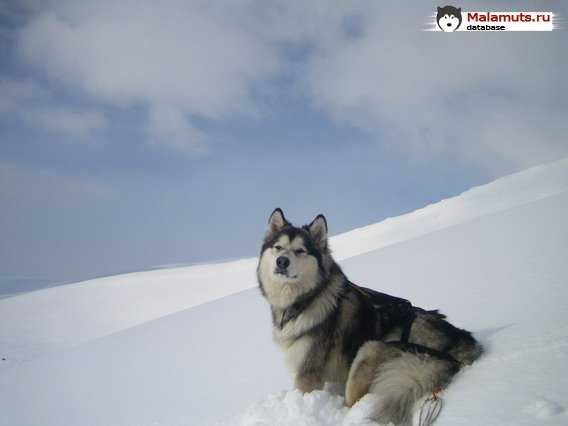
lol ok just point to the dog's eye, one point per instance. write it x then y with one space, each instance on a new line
278 248
300 251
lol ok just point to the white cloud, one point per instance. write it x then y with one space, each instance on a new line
13 93
493 100
20 184
72 123
169 124
26 101
190 56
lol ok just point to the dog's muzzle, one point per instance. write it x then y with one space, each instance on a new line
280 271
282 263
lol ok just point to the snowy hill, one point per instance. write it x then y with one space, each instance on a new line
145 348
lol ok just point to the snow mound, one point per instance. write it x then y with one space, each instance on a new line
318 408
543 408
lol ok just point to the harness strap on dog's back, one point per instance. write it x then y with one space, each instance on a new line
391 311
407 327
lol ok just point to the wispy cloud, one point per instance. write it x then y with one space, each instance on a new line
493 100
26 101
496 101
19 184
73 123
169 123
175 58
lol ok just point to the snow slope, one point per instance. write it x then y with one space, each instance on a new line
37 323
495 262
509 191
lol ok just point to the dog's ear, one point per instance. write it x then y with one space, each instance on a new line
439 9
460 10
318 230
276 222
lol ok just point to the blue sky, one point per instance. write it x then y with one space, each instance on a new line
137 134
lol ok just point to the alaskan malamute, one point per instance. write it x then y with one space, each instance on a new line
356 339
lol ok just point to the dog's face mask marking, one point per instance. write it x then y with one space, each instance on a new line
289 259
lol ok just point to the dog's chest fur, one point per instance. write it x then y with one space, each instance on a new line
317 332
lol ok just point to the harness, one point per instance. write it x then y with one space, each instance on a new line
391 311
293 311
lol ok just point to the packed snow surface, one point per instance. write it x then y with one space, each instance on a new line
145 348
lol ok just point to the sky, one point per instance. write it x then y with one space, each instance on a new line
136 134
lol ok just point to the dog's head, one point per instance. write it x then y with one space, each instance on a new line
293 260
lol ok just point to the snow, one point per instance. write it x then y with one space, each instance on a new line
38 322
291 408
192 345
502 194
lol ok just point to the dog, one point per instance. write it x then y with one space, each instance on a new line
353 338
449 18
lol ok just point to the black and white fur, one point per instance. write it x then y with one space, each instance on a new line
331 333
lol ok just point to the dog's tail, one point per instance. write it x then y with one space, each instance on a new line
402 381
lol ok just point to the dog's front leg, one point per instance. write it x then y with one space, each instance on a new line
308 382
310 374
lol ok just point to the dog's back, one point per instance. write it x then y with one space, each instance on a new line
432 330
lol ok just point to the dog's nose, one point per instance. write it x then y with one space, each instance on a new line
449 24
282 262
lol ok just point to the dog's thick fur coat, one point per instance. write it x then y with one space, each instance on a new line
334 331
